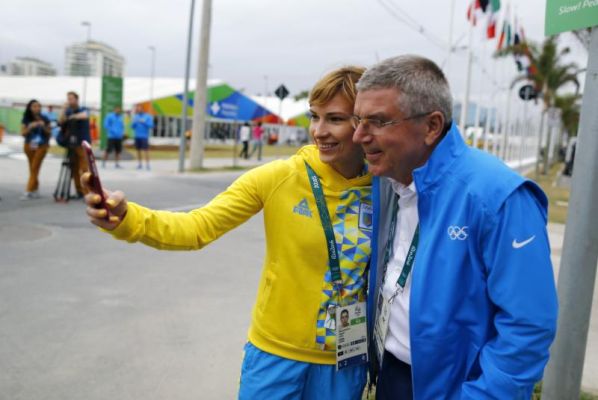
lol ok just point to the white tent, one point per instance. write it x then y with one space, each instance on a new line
51 90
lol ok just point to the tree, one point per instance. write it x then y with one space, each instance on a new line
546 72
570 109
301 95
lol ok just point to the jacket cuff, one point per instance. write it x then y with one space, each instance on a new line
126 229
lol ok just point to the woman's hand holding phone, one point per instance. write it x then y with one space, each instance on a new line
115 201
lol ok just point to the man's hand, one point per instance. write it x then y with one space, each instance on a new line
116 202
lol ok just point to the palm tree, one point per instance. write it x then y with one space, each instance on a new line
570 109
547 74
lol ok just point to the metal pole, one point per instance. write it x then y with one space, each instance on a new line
183 139
450 40
463 119
201 88
540 138
86 73
152 72
505 139
236 129
580 250
485 134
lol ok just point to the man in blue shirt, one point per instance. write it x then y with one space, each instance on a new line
115 131
462 302
142 126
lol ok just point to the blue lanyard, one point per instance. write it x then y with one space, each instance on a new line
333 262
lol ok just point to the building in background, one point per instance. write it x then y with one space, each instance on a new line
93 58
28 66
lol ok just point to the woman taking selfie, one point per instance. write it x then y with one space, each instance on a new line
317 220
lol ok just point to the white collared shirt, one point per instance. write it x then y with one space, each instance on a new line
397 339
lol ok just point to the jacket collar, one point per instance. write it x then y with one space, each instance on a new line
447 151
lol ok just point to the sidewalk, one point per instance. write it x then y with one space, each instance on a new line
12 147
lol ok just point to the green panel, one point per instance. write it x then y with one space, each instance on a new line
301 120
11 119
220 92
570 15
112 96
171 106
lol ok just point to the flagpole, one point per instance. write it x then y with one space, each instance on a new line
450 40
464 105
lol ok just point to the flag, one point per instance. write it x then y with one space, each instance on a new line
503 33
479 8
492 17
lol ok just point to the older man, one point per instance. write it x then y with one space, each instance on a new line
462 297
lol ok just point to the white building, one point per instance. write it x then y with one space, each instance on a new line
29 66
93 58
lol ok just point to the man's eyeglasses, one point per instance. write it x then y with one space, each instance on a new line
375 125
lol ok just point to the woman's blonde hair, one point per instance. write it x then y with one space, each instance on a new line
342 80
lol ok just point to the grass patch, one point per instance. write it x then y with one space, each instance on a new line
537 394
557 211
221 169
211 151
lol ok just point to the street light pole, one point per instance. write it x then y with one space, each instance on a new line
201 88
152 73
183 139
86 72
577 272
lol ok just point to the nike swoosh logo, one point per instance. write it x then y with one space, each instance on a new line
518 245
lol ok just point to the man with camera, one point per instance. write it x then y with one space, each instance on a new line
74 123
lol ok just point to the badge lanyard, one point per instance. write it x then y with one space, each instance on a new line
333 262
409 259
351 337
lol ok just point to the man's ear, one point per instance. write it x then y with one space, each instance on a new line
435 126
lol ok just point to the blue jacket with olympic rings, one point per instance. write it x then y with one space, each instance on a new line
483 303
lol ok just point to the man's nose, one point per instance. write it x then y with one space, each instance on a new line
360 135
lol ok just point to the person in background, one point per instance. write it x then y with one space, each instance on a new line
74 120
244 136
258 133
36 130
115 130
53 117
142 126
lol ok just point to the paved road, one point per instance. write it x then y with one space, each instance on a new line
83 316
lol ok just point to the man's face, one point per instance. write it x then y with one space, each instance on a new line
345 318
117 110
396 150
72 100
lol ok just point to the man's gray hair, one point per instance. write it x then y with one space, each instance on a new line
420 81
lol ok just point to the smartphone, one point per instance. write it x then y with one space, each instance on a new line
94 180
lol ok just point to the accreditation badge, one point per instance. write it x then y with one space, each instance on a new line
351 336
381 325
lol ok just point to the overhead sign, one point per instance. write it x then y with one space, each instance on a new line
527 92
112 96
570 15
282 92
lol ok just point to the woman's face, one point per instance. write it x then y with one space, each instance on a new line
332 132
36 108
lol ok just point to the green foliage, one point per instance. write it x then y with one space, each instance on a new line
301 95
550 74
570 109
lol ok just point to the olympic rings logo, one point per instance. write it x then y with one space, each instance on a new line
457 233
